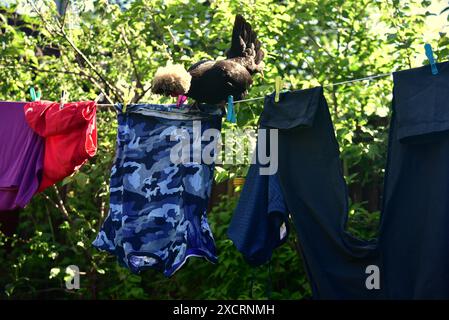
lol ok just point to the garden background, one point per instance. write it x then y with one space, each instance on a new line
92 46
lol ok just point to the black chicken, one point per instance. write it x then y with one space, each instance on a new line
211 82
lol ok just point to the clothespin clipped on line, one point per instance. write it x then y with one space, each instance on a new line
429 54
99 97
64 99
181 100
230 113
278 84
35 96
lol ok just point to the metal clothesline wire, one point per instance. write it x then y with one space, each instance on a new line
325 86
328 85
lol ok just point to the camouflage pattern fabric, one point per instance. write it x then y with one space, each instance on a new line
157 214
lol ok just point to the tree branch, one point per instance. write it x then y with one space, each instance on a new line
95 83
144 92
139 85
62 33
131 55
61 204
116 92
351 33
310 36
79 72
66 3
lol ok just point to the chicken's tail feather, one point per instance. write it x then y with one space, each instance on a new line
238 38
244 37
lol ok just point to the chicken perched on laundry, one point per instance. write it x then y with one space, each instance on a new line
211 82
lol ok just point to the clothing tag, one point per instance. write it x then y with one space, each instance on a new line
283 231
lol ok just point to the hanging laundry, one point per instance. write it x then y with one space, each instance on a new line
157 217
70 136
21 157
260 220
310 179
414 232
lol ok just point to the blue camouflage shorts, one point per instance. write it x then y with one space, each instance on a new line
157 213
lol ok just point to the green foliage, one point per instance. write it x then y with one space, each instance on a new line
117 51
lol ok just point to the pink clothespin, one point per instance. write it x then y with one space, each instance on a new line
181 100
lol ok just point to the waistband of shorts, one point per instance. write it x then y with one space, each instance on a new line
172 111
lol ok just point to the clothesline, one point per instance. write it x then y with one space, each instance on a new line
325 86
328 85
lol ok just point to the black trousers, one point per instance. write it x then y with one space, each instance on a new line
414 232
311 183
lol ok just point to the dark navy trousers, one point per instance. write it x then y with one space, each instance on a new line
414 231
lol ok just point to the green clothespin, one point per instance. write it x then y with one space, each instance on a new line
278 84
127 100
35 96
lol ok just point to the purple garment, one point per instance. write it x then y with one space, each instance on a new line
21 157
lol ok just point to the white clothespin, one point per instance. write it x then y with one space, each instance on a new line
64 99
99 97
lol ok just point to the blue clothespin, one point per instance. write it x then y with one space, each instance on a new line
35 96
230 114
429 54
